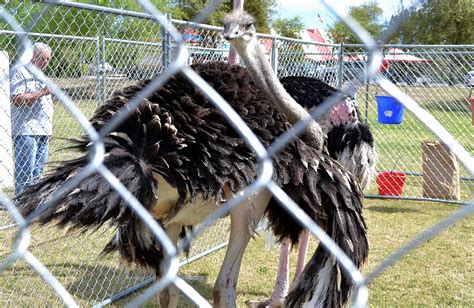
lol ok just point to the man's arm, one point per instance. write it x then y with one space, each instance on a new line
27 99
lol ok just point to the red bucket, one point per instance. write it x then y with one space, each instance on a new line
472 109
391 183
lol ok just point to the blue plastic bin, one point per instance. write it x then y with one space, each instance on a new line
390 111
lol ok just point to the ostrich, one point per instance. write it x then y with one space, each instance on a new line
354 147
348 140
179 157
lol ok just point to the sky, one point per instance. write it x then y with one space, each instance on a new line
308 10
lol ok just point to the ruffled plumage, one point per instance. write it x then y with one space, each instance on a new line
178 134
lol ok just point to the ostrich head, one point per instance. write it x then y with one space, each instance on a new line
240 32
239 25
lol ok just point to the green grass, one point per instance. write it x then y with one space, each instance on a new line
439 273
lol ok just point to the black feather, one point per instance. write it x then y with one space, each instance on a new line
178 134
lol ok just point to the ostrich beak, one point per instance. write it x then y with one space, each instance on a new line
231 33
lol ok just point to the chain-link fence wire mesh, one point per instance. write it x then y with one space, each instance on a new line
98 50
87 72
434 76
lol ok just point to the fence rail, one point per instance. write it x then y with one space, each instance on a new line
99 50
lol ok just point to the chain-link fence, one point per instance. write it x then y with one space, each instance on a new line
88 67
99 50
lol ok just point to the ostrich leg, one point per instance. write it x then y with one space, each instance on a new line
169 297
283 274
281 285
244 219
302 250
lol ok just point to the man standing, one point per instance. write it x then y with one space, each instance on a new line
32 119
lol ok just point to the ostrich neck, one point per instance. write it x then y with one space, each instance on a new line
262 74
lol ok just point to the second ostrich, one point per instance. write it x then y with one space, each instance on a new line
177 154
313 284
348 140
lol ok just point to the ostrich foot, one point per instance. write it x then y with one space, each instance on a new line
282 280
272 302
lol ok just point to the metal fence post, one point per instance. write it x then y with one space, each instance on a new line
366 80
274 55
340 66
103 73
166 43
97 74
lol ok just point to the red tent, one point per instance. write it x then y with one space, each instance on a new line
320 53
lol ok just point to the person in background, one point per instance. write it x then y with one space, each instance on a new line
32 119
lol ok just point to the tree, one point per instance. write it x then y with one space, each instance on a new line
77 53
438 22
71 55
288 27
260 9
367 14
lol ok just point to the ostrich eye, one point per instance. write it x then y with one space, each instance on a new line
248 26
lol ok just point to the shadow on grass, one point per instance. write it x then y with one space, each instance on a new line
391 209
202 285
198 282
205 288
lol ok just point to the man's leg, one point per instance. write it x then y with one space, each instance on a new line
24 153
42 144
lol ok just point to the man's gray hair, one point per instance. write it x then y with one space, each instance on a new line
41 48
